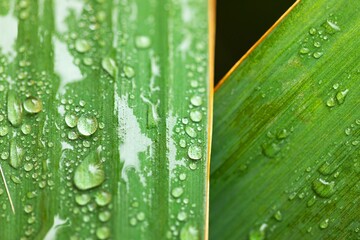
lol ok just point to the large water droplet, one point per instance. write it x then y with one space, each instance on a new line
87 125
190 131
89 173
323 188
103 233
104 216
33 105
196 101
195 115
195 152
14 109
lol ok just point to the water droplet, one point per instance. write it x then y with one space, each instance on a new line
142 41
312 31
328 168
102 198
177 192
282 134
311 201
28 208
26 129
340 96
28 167
270 150
82 199
330 102
104 216
182 176
15 179
89 173
181 216
87 125
129 71
140 216
103 233
72 135
278 216
182 143
82 45
16 154
33 105
317 44
14 109
195 115
133 221
71 120
317 55
189 232
324 224
193 166
304 50
190 131
331 27
335 86
195 152
196 101
323 188
109 65
4 130
259 233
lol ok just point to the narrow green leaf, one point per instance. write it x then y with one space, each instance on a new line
285 158
97 95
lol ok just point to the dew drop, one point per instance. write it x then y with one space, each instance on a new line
140 216
195 115
181 216
177 192
189 232
89 173
26 129
102 198
82 45
195 152
15 179
182 143
72 135
259 233
331 27
340 96
16 154
109 65
330 102
87 125
71 120
129 71
142 42
323 188
317 55
104 216
282 134
82 199
28 167
182 176
103 233
278 216
14 109
304 50
190 131
4 130
196 101
33 105
270 150
324 224
28 208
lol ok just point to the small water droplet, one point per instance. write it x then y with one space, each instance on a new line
82 199
331 27
140 216
102 198
142 42
340 96
182 143
324 224
103 233
109 65
330 102
323 188
71 120
181 216
33 105
28 208
15 179
196 101
129 71
16 154
312 31
104 216
177 192
28 167
14 109
182 176
195 152
26 129
278 216
304 50
270 150
317 55
4 130
89 173
82 45
189 232
311 201
259 233
87 125
282 134
190 131
195 115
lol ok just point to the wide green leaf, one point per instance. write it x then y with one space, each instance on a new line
104 119
285 156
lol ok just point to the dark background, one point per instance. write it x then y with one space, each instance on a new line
239 24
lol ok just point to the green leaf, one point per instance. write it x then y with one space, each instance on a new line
97 96
285 156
